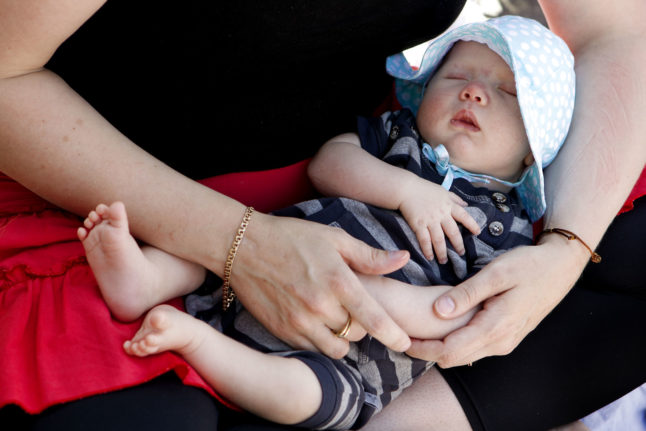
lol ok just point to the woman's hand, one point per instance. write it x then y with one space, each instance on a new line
296 277
517 290
433 212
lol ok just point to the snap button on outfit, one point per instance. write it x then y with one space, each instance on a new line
499 197
502 207
394 132
496 228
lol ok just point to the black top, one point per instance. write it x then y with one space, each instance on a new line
251 84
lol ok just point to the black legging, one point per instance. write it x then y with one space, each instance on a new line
162 404
585 354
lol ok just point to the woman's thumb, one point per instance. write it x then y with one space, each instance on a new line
368 260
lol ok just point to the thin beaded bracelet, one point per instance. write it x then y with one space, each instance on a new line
228 295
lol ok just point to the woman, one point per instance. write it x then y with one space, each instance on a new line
565 368
179 81
212 74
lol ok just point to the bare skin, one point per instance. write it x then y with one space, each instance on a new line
283 390
585 187
132 279
57 145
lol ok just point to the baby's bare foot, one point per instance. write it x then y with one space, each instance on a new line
164 328
126 278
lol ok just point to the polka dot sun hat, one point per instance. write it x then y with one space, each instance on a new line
544 70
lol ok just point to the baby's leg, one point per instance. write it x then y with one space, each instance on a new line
280 389
132 279
412 306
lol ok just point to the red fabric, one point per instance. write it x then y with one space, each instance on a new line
266 190
638 191
58 341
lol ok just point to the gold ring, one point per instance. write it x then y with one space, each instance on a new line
344 332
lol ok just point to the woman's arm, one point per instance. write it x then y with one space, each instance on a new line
586 185
294 276
606 149
58 146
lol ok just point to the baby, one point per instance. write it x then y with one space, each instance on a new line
455 178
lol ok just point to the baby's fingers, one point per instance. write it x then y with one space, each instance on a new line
453 234
462 216
439 242
457 199
424 238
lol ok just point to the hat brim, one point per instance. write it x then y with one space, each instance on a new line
541 89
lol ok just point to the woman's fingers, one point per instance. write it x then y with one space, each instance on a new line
368 260
295 277
363 308
351 294
471 292
356 332
517 290
483 336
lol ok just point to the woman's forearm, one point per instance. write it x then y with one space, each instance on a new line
606 149
58 146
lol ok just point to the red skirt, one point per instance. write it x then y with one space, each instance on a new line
58 341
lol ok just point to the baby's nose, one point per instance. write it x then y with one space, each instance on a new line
474 92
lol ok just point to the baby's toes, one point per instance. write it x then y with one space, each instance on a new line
101 210
81 233
127 346
138 348
134 348
89 223
150 344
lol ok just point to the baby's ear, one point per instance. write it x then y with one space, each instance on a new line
529 159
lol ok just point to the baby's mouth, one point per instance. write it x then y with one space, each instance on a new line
467 120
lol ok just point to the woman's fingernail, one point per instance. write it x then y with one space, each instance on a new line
397 254
445 305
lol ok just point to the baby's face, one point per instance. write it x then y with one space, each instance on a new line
470 106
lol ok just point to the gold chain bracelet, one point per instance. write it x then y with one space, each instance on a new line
594 257
228 295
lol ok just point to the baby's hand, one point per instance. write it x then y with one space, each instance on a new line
432 212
